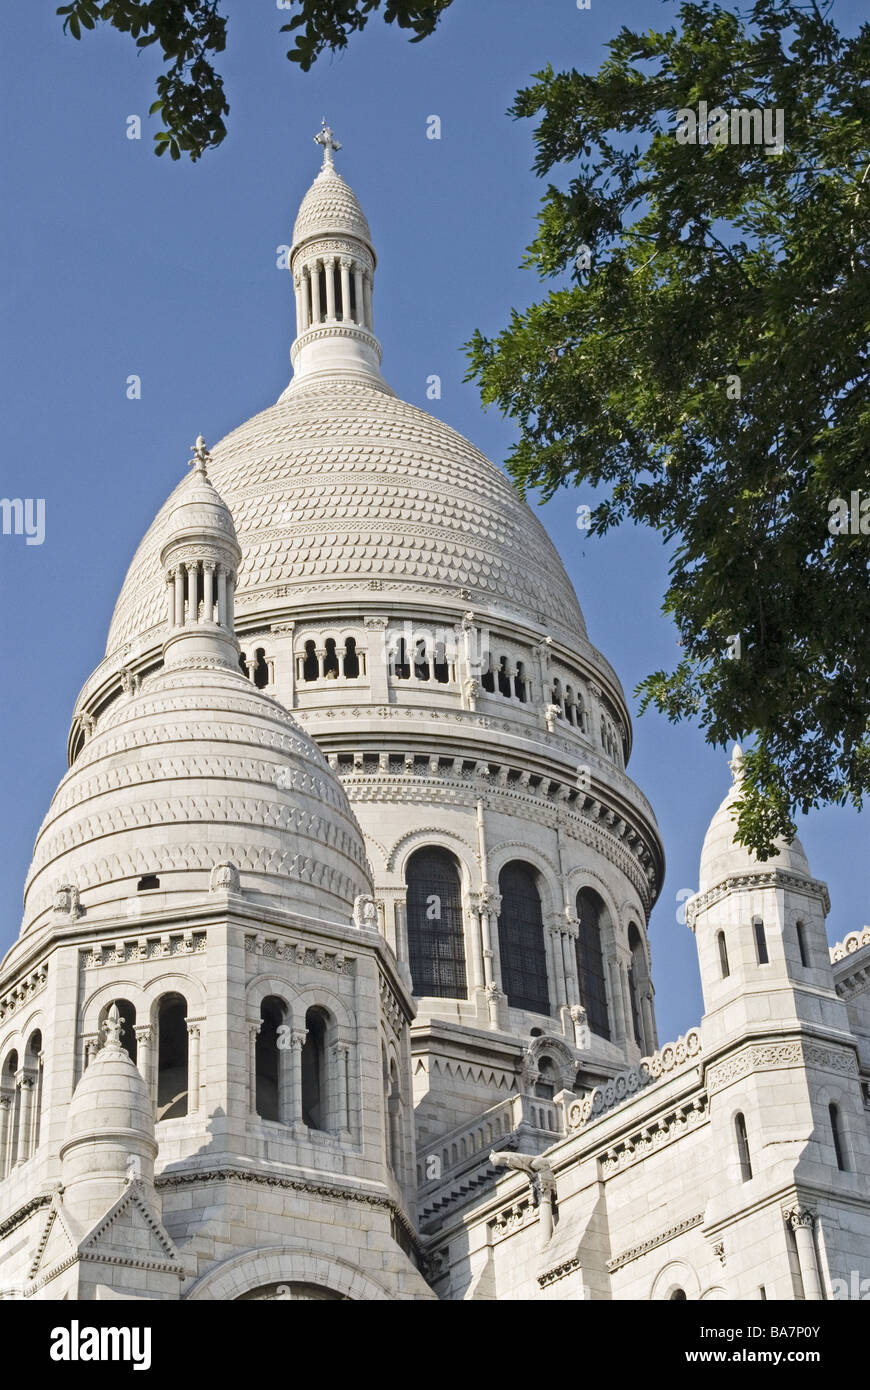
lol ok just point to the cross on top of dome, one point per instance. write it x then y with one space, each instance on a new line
201 456
326 138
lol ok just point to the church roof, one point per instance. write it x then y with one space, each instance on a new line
330 206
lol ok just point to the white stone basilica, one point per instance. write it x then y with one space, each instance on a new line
333 980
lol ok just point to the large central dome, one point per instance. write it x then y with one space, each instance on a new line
340 487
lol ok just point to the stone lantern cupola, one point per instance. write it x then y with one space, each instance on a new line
333 263
200 560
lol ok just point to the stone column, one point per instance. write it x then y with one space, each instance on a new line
253 1034
474 933
144 1036
367 291
306 299
301 325
358 294
208 590
345 264
314 274
231 602
649 1028
178 574
192 1064
329 276
802 1219
297 1042
170 598
24 1082
6 1113
617 1001
222 595
341 1051
400 929
553 939
570 932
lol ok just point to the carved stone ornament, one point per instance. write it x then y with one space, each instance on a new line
66 900
365 912
224 878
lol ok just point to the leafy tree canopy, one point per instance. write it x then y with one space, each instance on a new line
190 93
704 358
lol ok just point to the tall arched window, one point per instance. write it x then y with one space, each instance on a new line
803 948
521 940
436 941
723 955
637 983
34 1065
310 665
487 678
421 660
315 1102
760 941
520 682
330 660
172 1042
351 660
743 1155
267 1063
837 1136
593 917
401 663
10 1098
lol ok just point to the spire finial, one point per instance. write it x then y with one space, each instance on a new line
201 456
736 762
112 1027
327 139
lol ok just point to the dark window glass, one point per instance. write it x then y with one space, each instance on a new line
723 956
521 940
436 943
313 1064
743 1147
590 960
267 1102
836 1131
760 941
172 1043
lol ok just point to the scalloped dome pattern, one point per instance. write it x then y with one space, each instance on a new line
330 205
195 769
341 482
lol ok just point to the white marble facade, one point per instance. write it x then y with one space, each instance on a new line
333 979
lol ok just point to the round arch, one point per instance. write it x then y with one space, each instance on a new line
676 1275
287 1265
429 836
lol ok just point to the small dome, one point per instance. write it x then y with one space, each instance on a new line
196 509
111 1096
722 857
198 769
330 205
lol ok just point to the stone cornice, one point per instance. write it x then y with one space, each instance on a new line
754 879
636 1251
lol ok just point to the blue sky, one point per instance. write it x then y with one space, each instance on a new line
116 263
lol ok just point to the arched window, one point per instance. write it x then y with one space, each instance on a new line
556 695
520 682
569 704
311 665
504 679
261 669
760 941
10 1111
545 1086
330 660
678 1296
393 1109
521 940
837 1136
580 713
421 660
267 1062
723 955
315 1101
803 947
440 666
128 1026
593 917
401 664
172 1041
351 660
436 941
637 983
743 1156
34 1066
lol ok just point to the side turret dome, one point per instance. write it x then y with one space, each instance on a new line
722 857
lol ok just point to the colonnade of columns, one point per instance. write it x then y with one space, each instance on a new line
184 604
347 292
290 1090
